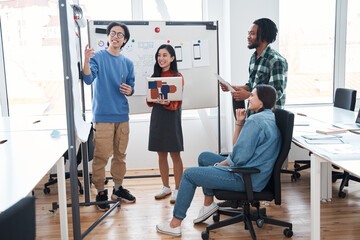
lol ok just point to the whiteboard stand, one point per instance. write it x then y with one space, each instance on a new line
70 117
69 99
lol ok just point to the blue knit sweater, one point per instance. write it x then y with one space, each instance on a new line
107 73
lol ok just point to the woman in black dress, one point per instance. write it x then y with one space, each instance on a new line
165 125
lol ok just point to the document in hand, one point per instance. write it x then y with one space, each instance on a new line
231 89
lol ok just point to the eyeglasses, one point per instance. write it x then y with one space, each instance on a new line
119 34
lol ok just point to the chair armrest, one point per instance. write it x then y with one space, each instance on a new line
246 172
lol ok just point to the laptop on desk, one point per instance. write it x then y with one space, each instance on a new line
352 126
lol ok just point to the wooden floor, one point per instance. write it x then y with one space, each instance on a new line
339 218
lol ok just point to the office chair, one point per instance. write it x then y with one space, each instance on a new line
345 99
53 177
18 221
285 123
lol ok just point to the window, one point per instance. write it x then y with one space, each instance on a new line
106 9
352 74
33 57
306 35
170 10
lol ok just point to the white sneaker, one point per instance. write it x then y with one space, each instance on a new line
206 212
163 193
173 196
166 229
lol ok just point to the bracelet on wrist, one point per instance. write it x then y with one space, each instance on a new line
239 124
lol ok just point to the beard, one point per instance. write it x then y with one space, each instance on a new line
254 45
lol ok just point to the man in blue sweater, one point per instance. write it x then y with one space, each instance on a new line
112 76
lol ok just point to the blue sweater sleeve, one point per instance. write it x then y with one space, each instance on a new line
88 79
130 80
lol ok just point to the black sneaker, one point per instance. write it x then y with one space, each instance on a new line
124 194
101 197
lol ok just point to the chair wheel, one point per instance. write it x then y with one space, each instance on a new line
260 222
297 175
216 217
288 233
293 178
342 194
46 190
205 235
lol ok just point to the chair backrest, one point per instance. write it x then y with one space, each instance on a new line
285 123
18 221
345 98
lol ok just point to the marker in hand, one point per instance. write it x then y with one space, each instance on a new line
125 89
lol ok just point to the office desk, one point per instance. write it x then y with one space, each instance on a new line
351 164
32 123
25 158
327 114
318 118
349 159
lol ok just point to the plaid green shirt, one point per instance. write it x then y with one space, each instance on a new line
270 68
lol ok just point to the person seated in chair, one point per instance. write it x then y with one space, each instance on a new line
257 143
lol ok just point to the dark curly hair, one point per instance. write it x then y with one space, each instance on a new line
266 31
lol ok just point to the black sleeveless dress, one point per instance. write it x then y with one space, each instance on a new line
165 130
165 127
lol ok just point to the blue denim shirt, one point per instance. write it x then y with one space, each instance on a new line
257 146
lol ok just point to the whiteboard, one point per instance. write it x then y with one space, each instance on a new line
196 47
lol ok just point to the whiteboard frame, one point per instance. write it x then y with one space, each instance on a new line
200 85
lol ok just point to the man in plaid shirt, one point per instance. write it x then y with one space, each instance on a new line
267 66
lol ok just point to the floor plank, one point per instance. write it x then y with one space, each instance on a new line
339 218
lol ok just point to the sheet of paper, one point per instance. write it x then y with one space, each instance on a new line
183 54
320 136
231 89
200 53
324 141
